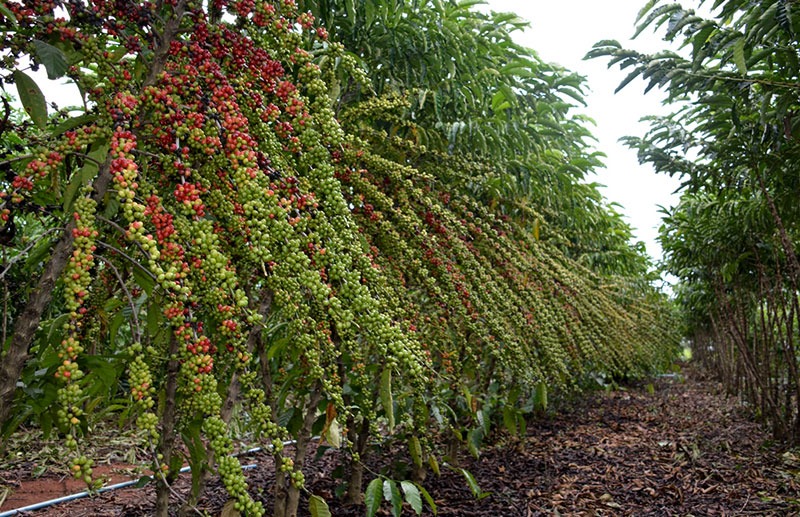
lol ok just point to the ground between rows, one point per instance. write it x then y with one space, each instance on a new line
674 447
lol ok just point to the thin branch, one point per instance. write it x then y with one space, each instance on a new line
125 255
5 303
16 159
751 80
121 230
6 115
160 474
87 157
26 250
138 335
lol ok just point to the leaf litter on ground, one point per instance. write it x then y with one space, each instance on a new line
670 447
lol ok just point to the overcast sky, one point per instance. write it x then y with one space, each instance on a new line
562 32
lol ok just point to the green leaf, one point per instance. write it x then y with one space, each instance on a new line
102 372
643 11
474 440
31 98
392 494
83 176
540 397
738 56
143 280
415 449
631 76
8 14
434 464
701 37
386 395
428 499
510 420
473 485
660 13
372 497
351 10
53 59
471 482
470 3
143 481
412 495
318 507
73 122
498 99
369 12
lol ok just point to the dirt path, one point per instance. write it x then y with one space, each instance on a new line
680 450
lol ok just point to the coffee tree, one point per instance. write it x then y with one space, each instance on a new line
207 235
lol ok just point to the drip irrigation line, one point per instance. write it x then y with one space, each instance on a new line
124 484
86 493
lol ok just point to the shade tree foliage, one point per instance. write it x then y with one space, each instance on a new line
732 139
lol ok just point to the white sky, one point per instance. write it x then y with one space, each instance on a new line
562 32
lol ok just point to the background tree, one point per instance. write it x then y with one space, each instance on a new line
733 140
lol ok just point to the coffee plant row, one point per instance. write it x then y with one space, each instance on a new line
214 237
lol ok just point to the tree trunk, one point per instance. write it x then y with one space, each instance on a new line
359 437
265 304
231 397
287 496
168 418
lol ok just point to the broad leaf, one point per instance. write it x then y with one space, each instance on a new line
392 494
473 484
143 481
510 420
53 59
428 499
372 497
738 56
412 495
540 397
415 449
8 14
474 441
434 464
73 122
318 507
83 176
31 98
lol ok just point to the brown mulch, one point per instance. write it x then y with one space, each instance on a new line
682 449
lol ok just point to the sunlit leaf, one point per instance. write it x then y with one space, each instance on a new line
412 495
318 507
